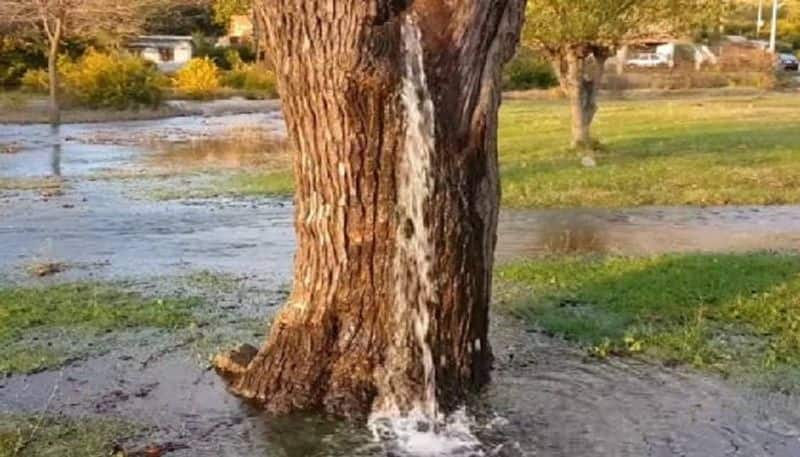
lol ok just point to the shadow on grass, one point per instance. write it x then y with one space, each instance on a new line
707 310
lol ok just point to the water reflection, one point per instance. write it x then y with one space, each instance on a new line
55 157
236 149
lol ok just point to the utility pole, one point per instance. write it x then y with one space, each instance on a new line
773 36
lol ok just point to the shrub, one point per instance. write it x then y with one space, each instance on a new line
35 80
252 78
225 57
114 80
200 78
17 57
528 71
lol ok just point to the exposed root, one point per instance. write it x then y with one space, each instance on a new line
233 364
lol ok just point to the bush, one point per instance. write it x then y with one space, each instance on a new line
199 78
102 80
116 80
252 78
528 71
225 57
17 57
36 80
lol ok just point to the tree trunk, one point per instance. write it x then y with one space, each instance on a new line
582 82
392 109
559 64
622 59
52 70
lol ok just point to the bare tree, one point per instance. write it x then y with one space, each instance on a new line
59 19
392 109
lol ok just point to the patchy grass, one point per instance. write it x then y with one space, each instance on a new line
269 184
55 436
45 185
43 327
728 313
212 281
276 184
18 107
673 151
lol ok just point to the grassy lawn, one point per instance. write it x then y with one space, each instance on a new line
728 313
44 327
690 150
51 436
683 151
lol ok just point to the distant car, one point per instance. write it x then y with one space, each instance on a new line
788 62
648 60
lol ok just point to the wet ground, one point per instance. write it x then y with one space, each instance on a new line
546 398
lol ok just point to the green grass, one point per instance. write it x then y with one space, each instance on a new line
43 327
51 436
275 184
729 313
682 151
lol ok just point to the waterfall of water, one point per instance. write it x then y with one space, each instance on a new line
423 431
412 194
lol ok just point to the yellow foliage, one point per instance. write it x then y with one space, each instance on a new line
35 80
199 78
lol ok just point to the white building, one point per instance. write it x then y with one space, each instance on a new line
169 52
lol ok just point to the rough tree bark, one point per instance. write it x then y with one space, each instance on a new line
391 106
585 67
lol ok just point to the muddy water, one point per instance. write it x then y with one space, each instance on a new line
101 232
546 400
648 231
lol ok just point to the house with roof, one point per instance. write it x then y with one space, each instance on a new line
168 52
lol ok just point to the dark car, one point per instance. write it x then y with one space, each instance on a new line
788 62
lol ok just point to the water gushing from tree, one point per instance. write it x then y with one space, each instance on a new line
407 417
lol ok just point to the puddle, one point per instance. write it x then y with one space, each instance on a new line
96 223
239 149
80 150
647 231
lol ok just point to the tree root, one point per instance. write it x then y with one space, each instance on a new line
233 364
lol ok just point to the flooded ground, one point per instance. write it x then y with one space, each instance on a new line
546 398
648 231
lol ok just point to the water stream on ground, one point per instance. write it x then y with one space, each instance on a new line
545 399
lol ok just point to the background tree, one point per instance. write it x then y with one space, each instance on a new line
60 19
183 17
578 36
392 108
224 9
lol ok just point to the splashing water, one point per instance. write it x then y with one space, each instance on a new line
417 435
423 431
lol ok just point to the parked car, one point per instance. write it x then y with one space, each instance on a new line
788 62
648 60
